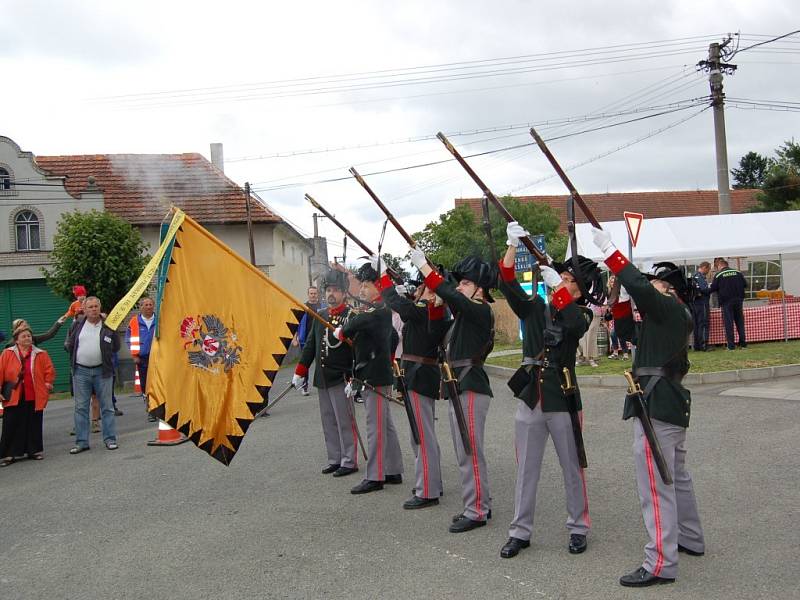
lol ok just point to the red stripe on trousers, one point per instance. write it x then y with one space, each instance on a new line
656 509
475 470
586 516
379 406
422 451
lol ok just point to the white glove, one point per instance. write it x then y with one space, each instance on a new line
602 239
550 276
417 257
349 392
337 333
373 260
515 231
297 381
624 296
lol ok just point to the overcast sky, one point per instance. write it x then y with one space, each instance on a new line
161 77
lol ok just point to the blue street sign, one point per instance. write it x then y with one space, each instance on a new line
523 259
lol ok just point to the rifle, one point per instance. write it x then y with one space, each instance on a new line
389 271
568 387
635 390
528 242
598 296
391 218
452 391
403 389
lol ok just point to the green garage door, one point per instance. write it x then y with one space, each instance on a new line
32 300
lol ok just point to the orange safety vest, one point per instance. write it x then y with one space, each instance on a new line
134 325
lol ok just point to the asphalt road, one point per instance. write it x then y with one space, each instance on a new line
144 522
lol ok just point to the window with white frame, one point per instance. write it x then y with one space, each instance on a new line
26 225
6 182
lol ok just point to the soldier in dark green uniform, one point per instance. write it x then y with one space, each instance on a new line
548 405
334 362
424 327
371 331
469 341
669 511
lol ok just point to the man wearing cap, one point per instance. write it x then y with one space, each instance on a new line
670 511
424 327
550 336
467 343
373 336
334 361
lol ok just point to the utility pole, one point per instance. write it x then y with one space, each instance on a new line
250 224
716 68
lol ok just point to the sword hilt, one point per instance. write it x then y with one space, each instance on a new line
398 372
633 386
448 372
568 384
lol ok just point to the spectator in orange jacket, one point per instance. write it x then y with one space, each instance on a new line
27 375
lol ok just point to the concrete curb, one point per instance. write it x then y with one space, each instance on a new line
758 374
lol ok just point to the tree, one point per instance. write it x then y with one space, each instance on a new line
781 187
396 264
98 250
458 233
751 172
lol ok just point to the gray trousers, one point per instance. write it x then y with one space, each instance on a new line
474 475
383 447
337 427
427 456
669 511
531 430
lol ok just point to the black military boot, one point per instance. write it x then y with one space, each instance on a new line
513 546
367 486
329 469
417 502
577 543
641 577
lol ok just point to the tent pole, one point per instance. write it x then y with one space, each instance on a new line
783 298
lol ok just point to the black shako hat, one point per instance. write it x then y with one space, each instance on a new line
589 273
334 278
367 273
479 272
672 274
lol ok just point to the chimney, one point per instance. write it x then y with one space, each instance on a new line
216 156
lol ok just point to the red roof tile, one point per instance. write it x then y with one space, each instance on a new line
140 188
653 205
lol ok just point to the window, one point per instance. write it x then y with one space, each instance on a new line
762 276
6 184
27 227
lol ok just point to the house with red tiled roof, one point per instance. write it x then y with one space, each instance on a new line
653 205
139 188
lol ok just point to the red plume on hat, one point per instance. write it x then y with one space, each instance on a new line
78 290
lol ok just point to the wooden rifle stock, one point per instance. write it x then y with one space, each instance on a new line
409 240
541 258
395 277
560 172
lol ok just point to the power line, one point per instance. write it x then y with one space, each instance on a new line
769 41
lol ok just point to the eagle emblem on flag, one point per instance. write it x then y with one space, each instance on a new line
210 343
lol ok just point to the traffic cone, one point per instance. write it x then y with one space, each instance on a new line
137 383
167 436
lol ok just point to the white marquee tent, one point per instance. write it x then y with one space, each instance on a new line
693 239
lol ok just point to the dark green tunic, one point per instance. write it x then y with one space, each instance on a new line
334 358
371 332
663 334
422 336
472 335
572 320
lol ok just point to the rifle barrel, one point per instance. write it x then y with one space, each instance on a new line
560 172
541 258
336 222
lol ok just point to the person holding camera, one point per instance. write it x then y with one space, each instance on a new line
551 332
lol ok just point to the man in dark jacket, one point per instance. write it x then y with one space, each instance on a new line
91 345
469 341
424 327
550 335
669 511
372 334
700 307
334 362
730 286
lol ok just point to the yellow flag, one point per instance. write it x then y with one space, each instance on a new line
224 328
